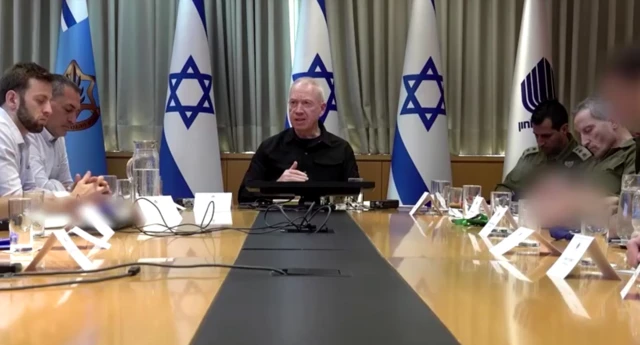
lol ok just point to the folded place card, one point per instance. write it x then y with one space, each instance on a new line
479 205
424 199
63 237
630 283
155 209
511 241
212 208
102 243
455 213
442 204
493 222
578 246
570 297
92 215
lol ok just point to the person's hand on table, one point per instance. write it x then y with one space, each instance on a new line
293 174
90 188
633 251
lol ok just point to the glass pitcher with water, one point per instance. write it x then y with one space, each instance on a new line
143 169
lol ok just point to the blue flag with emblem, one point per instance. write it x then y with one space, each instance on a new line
189 152
84 140
312 59
533 80
420 145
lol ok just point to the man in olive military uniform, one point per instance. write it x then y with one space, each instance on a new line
612 145
556 148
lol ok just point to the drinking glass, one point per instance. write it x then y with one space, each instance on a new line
439 188
596 225
111 181
628 215
469 193
455 197
501 199
123 189
36 213
21 238
527 216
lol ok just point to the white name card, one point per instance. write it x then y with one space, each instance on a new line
441 201
102 243
630 283
212 208
419 203
493 222
93 216
570 297
455 213
73 250
511 241
153 216
576 249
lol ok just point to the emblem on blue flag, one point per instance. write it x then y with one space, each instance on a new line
412 106
88 102
190 71
538 85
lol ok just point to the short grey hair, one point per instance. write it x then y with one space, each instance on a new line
596 107
310 82
59 82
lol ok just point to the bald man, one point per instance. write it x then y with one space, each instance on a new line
304 152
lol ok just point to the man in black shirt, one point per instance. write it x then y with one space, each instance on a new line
304 152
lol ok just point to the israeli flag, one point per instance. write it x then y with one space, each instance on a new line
312 58
421 144
84 141
189 152
533 80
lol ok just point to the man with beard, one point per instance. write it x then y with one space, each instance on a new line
25 95
48 153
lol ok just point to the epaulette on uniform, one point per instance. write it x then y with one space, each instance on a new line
582 152
530 151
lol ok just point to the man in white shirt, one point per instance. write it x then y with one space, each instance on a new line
48 153
25 95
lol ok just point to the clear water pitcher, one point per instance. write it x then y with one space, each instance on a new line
143 169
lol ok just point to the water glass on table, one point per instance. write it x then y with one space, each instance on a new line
501 199
111 180
123 189
21 238
455 197
440 188
36 212
596 225
469 194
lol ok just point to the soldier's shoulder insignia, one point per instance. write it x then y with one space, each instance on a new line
530 151
582 152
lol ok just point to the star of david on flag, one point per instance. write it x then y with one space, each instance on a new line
318 70
412 105
189 113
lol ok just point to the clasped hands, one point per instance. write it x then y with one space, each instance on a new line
90 187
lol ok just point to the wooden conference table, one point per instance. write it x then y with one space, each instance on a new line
480 301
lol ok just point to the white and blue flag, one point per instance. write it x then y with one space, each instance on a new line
420 146
189 153
533 80
312 58
84 141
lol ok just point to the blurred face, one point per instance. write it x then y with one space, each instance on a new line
305 108
550 141
596 135
33 108
623 96
65 109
